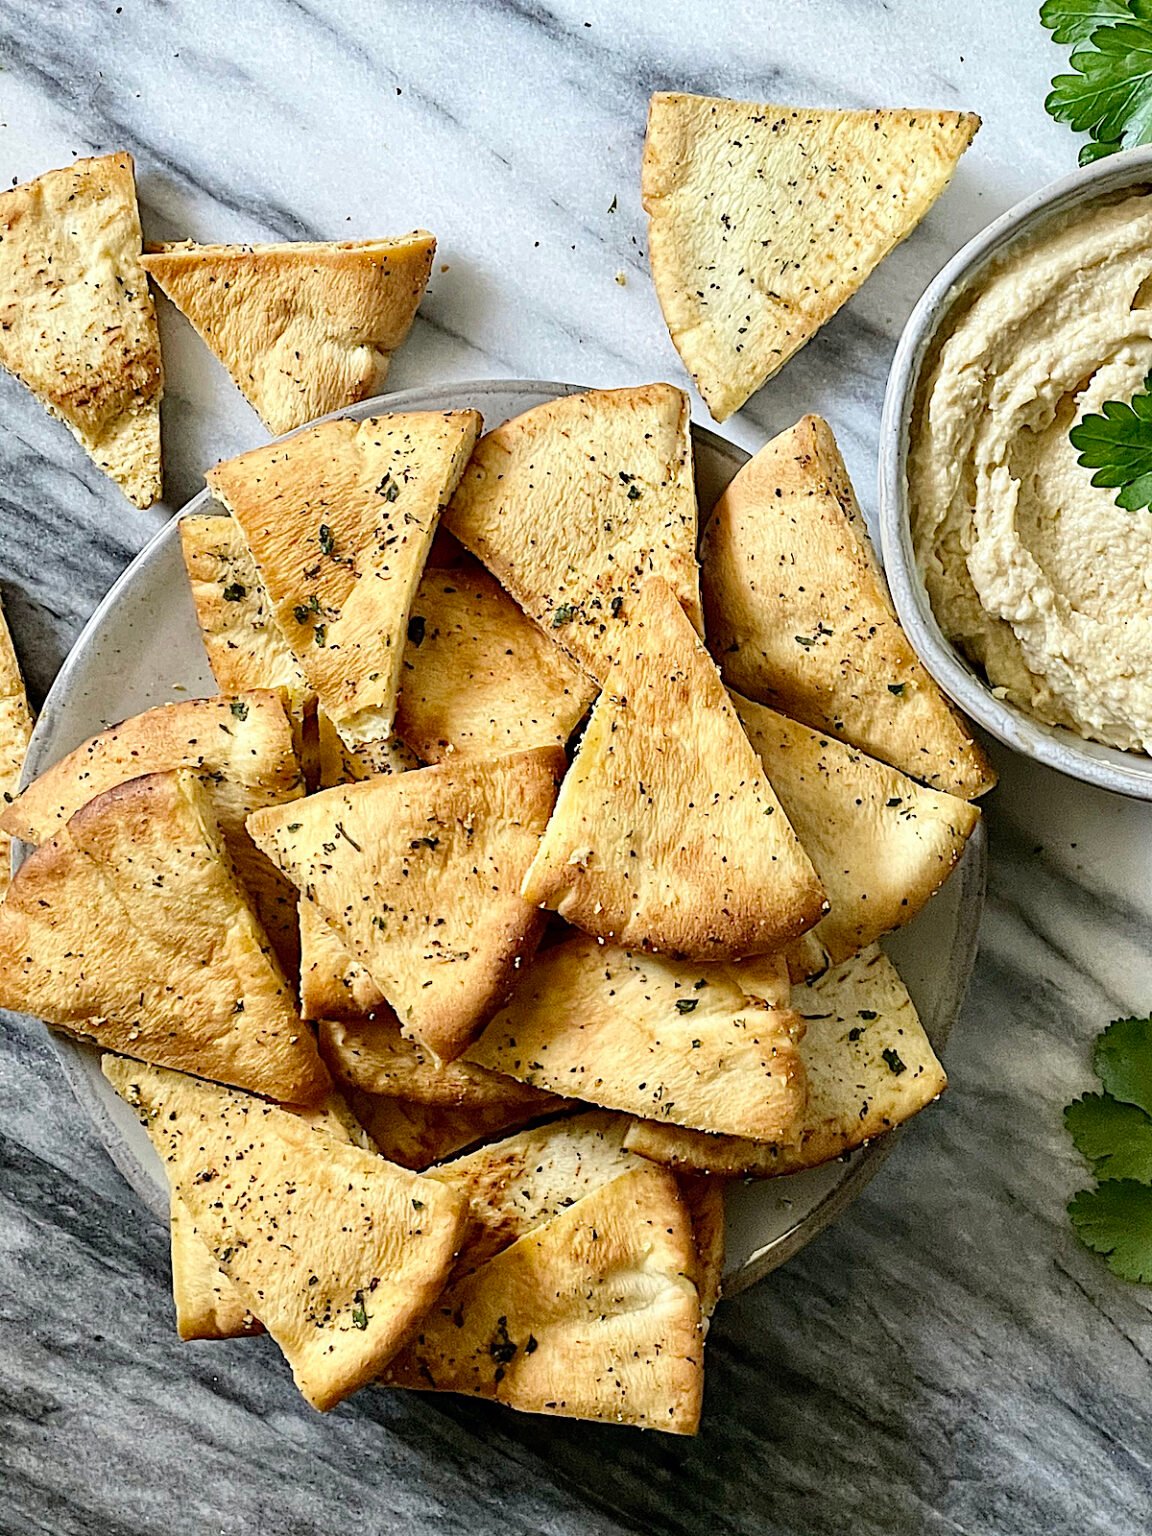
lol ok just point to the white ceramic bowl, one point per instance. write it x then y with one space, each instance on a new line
1128 773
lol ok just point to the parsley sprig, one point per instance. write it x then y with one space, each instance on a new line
1113 1133
1117 444
1109 95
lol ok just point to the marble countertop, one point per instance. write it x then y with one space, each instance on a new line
945 1359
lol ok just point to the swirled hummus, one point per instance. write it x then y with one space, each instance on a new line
1032 571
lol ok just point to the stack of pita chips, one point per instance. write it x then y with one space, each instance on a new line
478 1011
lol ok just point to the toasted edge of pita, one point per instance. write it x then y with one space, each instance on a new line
799 616
339 519
572 503
479 676
246 646
592 1316
704 1197
420 876
667 834
418 1135
372 1054
881 843
363 1248
649 1036
15 733
870 1067
764 219
303 327
77 324
130 927
242 748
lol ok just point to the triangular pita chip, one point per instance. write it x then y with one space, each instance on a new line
574 502
361 1248
77 324
338 763
881 844
763 220
304 328
241 746
208 1305
15 731
870 1067
333 983
479 676
372 1054
246 646
418 1135
339 519
656 1037
593 1316
799 615
420 873
667 834
129 926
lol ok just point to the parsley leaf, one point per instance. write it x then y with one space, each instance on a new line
1115 1220
1074 21
1117 444
1123 1061
1110 95
1115 1138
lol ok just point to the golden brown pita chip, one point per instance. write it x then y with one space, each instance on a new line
418 1135
304 328
339 520
573 503
420 875
799 616
650 1036
361 1248
246 646
15 731
338 763
129 926
208 1305
479 676
870 1067
241 746
77 324
881 844
704 1197
333 984
763 220
667 835
592 1316
372 1054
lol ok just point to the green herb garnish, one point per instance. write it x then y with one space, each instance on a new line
234 591
892 1061
687 1004
1110 94
359 1312
564 614
239 709
326 540
1117 444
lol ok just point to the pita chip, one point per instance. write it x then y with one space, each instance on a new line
667 834
704 1197
799 616
338 763
418 1135
574 502
305 327
881 843
339 520
130 927
15 732
363 1247
333 983
592 1315
208 1305
419 874
77 326
246 646
763 220
869 1065
240 746
479 676
650 1036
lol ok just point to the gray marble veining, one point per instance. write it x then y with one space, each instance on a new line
946 1359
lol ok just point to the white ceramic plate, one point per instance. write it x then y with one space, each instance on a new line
142 647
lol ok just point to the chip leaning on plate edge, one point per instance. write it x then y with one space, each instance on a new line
584 910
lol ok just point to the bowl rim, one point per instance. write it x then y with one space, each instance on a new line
1105 767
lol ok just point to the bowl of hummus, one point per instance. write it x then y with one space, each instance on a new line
1026 589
